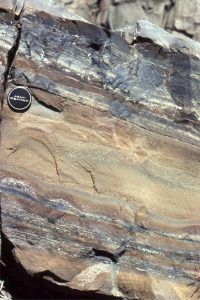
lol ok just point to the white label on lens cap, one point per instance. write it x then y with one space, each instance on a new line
19 99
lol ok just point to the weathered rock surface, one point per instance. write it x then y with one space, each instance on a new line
100 178
8 35
177 16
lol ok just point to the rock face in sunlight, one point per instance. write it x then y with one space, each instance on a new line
8 35
177 16
99 178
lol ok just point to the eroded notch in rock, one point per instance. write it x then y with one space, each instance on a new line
107 255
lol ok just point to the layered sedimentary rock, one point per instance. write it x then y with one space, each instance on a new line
99 179
177 16
8 35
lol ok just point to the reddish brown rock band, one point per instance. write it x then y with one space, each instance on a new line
100 177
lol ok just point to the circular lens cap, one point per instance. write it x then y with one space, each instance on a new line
19 99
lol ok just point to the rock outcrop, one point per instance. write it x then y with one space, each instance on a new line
99 179
177 16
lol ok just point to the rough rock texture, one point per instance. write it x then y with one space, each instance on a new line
8 35
177 16
100 178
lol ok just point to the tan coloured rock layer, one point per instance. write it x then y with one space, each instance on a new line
99 179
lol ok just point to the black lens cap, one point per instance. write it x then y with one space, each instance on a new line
19 99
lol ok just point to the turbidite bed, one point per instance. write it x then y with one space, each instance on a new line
100 178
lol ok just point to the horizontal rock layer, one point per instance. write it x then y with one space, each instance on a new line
99 179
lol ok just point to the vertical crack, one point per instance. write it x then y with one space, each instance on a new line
10 58
12 53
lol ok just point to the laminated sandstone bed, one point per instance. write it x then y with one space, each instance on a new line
100 178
